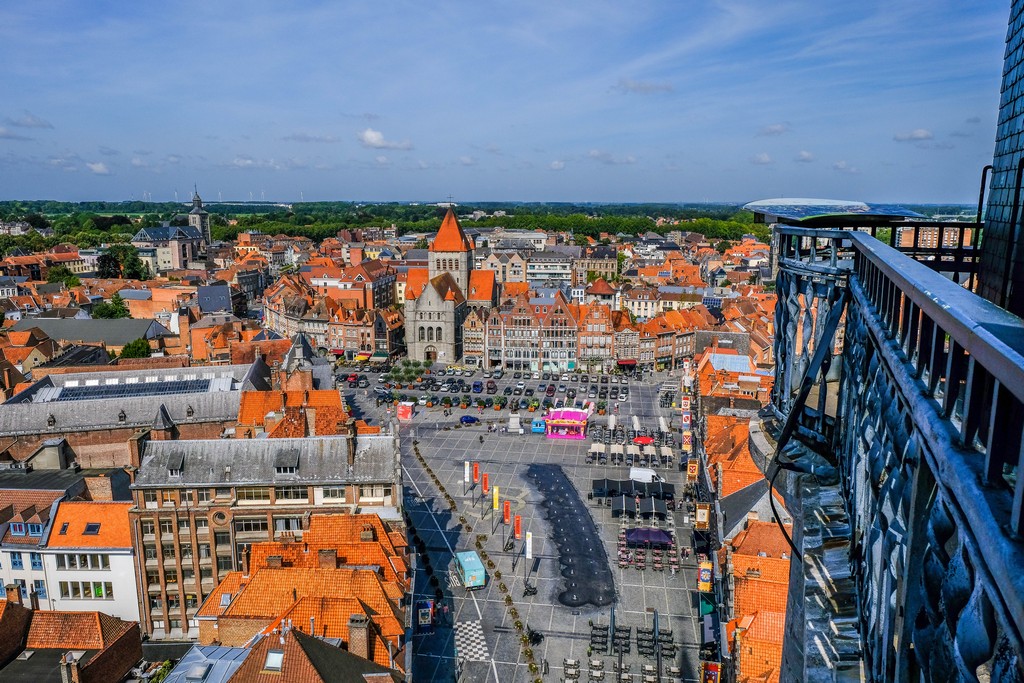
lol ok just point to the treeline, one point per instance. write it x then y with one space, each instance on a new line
88 225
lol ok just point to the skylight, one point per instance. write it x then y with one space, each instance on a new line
92 529
274 660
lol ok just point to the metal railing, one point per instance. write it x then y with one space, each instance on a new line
917 400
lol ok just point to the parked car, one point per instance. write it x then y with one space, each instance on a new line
520 385
507 391
528 392
468 420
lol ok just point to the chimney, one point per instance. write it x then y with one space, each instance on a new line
274 561
70 671
13 593
245 561
359 635
327 558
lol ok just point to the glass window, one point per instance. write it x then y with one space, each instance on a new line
36 560
37 529
290 493
167 498
17 528
334 492
167 526
147 527
250 524
202 523
40 587
203 495
16 561
183 525
253 493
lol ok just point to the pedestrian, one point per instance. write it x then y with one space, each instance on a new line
444 609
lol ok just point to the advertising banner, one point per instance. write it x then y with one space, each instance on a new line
476 472
465 473
687 441
519 527
486 484
710 672
507 513
685 419
704 579
494 504
405 411
529 545
684 402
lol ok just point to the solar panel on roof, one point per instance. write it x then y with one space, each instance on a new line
197 386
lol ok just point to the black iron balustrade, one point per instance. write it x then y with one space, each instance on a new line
917 404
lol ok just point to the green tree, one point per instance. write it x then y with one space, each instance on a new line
63 274
109 310
136 349
122 261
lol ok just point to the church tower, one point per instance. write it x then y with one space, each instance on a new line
451 252
199 219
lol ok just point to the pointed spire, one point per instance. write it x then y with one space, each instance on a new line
450 236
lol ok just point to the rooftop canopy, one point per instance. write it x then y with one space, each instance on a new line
833 212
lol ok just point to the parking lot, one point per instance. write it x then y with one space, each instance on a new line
479 640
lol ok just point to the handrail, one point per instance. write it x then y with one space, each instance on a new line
992 335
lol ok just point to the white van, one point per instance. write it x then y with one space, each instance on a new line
644 474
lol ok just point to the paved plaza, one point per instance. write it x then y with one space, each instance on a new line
478 641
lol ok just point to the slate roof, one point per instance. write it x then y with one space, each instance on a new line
227 462
110 332
163 233
306 660
214 298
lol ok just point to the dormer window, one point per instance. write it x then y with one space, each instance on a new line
51 421
121 417
190 411
35 529
92 529
17 528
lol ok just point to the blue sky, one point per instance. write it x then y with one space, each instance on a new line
516 100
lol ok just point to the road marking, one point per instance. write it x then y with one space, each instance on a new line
444 537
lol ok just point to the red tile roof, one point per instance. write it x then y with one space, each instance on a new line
114 530
74 630
450 236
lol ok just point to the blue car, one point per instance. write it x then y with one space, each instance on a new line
468 419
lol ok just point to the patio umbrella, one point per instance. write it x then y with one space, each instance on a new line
643 440
603 487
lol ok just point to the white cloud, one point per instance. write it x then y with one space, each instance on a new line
915 135
306 137
557 165
844 167
29 120
383 160
467 161
136 162
99 168
374 139
244 161
608 158
627 85
761 159
774 129
804 156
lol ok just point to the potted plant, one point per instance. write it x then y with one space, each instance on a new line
602 406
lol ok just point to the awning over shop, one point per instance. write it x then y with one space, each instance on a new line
627 361
363 356
379 355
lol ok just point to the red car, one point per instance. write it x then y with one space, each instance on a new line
353 377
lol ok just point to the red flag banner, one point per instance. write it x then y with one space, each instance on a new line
507 512
476 472
519 526
486 484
